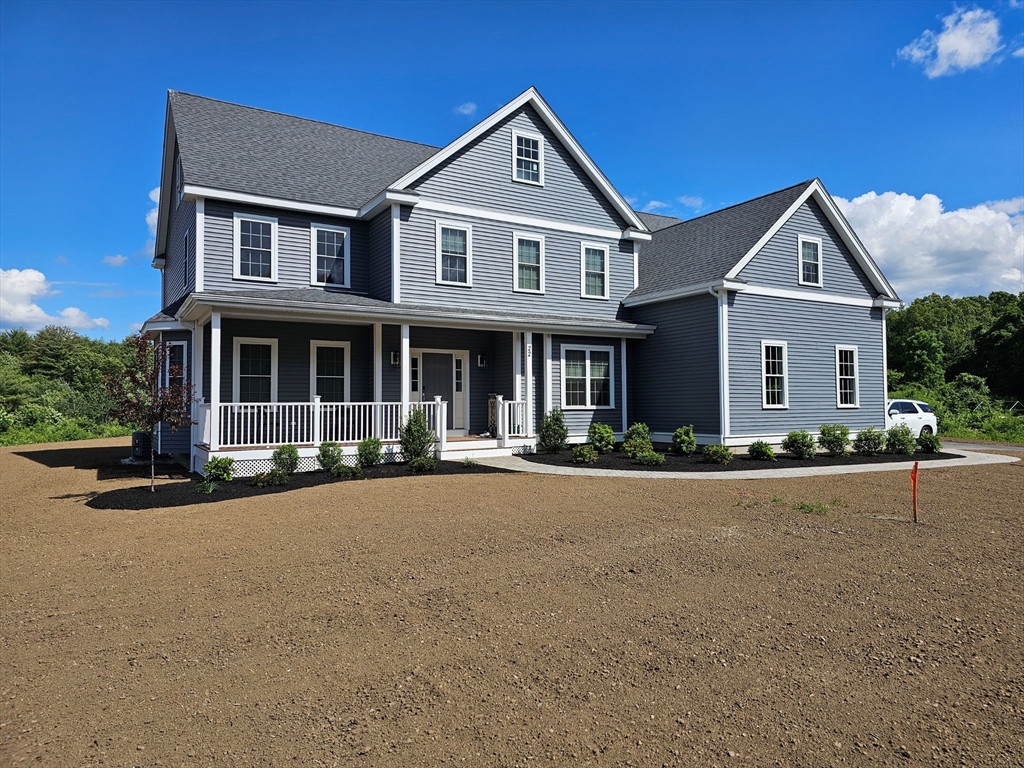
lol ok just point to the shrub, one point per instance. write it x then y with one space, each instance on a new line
636 446
206 486
929 443
423 464
553 435
869 441
32 414
286 459
717 454
329 456
637 430
834 438
584 454
759 450
799 443
347 471
369 452
899 439
221 468
602 437
683 441
651 459
273 477
416 437
6 420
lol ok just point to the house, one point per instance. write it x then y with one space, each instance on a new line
319 282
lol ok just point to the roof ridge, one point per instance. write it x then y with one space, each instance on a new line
736 205
303 119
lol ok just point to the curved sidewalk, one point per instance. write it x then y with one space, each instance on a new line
968 458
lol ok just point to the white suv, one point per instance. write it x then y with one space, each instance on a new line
915 414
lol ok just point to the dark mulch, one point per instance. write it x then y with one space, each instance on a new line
187 493
693 463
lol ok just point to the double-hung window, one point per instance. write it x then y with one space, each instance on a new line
527 158
329 256
255 247
593 271
529 263
329 366
255 366
847 381
454 254
810 260
174 364
774 374
588 380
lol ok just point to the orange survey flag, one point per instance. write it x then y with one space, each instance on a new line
913 477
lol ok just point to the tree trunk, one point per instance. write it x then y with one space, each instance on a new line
152 462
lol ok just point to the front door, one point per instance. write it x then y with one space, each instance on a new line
438 379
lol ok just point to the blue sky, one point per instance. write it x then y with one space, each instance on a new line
911 113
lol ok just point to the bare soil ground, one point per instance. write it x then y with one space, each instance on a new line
512 620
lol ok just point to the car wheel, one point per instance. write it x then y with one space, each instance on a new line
926 430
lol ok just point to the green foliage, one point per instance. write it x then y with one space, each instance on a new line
37 414
470 463
553 435
416 437
286 459
67 429
869 441
684 442
271 478
834 438
899 439
651 459
716 454
800 444
811 507
759 450
637 440
602 437
370 452
423 464
584 454
6 420
329 456
206 486
929 443
220 468
637 431
347 471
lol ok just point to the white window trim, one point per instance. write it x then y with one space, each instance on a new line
785 376
468 229
184 270
347 346
800 240
238 341
583 271
179 180
237 248
167 361
540 156
588 348
313 227
516 237
856 376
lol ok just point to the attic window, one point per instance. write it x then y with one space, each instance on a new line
810 261
527 158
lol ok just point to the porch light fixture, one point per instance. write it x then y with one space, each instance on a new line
396 359
481 361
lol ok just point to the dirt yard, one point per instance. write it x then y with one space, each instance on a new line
513 620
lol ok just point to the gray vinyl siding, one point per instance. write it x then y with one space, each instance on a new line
293 242
379 256
674 378
812 331
579 421
479 380
179 263
493 259
481 175
391 379
179 440
777 263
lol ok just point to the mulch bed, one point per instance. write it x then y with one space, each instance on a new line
694 463
187 492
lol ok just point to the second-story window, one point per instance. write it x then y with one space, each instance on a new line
330 255
255 247
527 158
529 263
454 254
594 271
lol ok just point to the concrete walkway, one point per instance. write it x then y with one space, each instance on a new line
968 458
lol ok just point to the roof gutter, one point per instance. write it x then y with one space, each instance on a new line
689 290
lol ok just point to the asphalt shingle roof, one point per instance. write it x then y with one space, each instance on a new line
655 221
244 149
704 249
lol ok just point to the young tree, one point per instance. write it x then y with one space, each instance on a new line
150 391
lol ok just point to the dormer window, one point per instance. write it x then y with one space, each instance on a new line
810 261
527 158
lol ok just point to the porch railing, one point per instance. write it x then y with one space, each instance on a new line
512 419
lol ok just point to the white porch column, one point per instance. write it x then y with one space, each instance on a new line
441 420
378 377
500 419
214 381
197 385
517 365
530 420
625 418
548 405
406 373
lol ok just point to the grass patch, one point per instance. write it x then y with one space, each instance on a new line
811 507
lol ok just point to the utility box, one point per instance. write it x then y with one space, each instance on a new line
142 442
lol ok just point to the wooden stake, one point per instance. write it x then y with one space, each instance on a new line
913 484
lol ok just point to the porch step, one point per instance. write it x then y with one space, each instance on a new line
470 444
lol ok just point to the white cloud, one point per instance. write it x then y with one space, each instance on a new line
631 200
1019 53
20 289
135 326
654 206
969 38
151 216
115 261
691 201
923 248
61 260
469 108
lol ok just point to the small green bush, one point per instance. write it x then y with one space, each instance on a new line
811 507
684 442
899 439
347 471
717 454
602 437
635 446
929 443
206 486
584 454
637 430
220 468
329 456
369 452
286 459
416 437
6 420
759 450
651 459
553 435
869 441
470 463
834 438
273 477
799 443
423 464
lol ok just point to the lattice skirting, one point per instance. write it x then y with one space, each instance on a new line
250 467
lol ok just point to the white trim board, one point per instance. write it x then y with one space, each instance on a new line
191 190
314 344
522 221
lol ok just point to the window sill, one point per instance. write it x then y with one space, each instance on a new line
810 285
848 407
524 290
774 407
331 285
528 183
453 284
594 298
248 279
588 407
